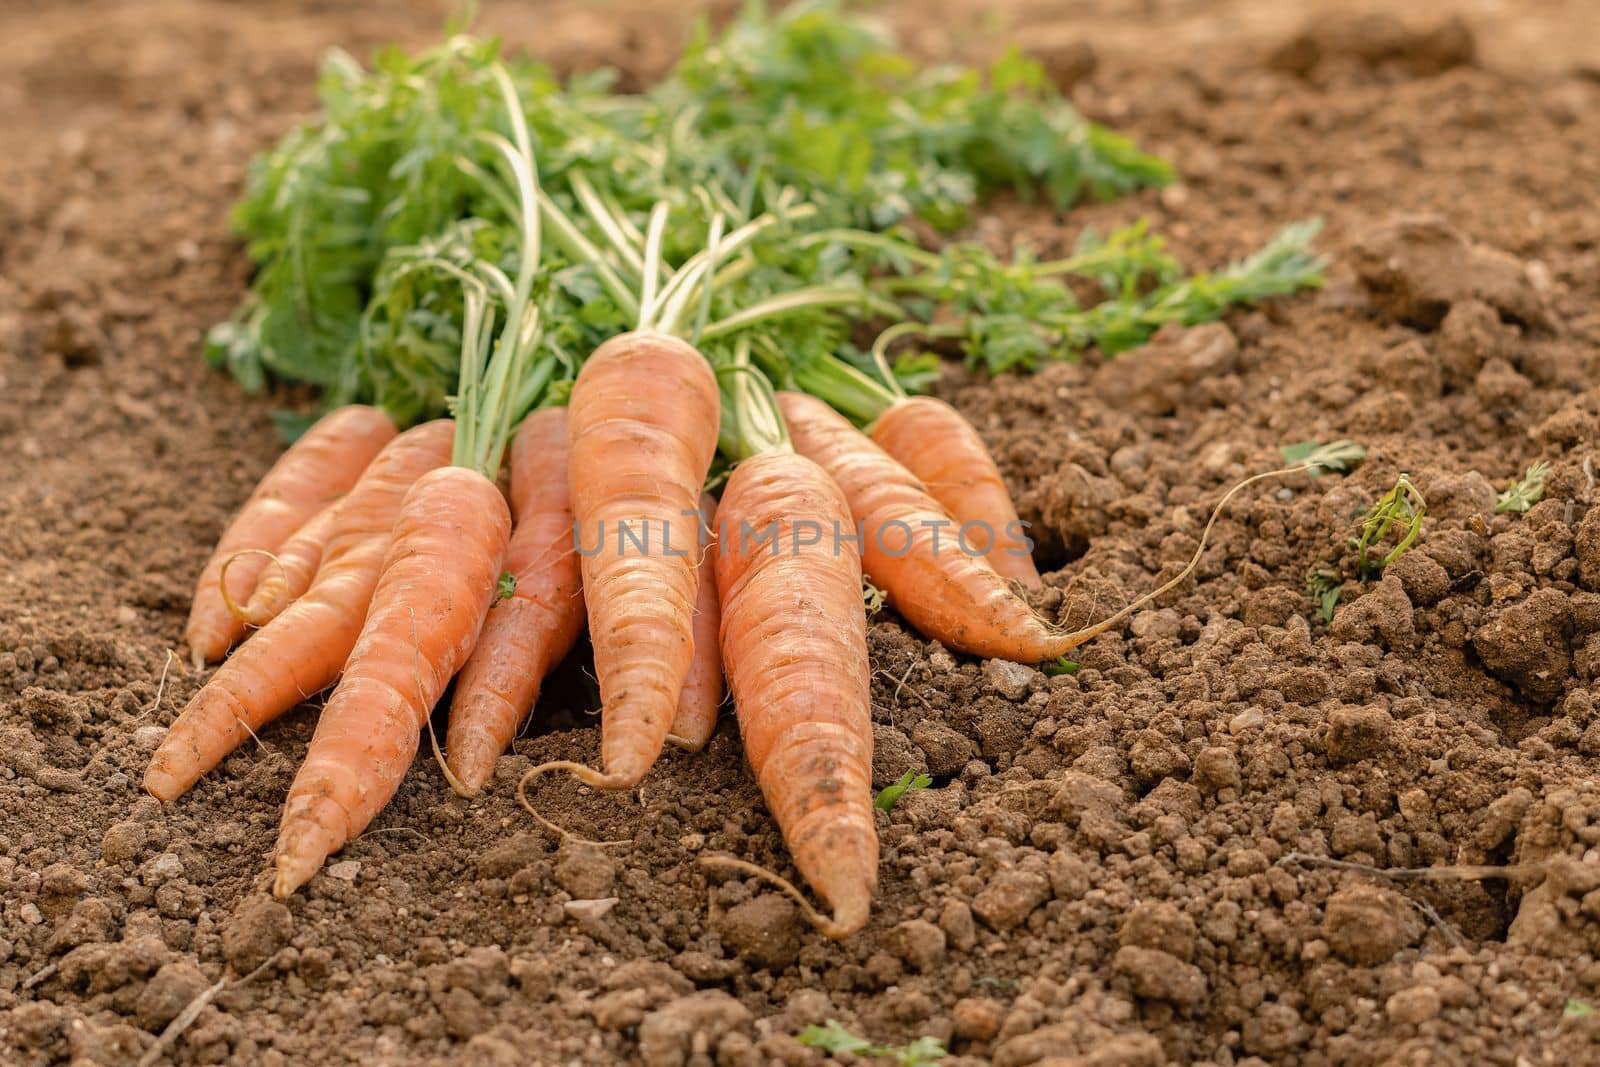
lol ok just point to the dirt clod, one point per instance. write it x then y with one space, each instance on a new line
585 871
1526 644
1367 925
764 931
675 1035
1156 975
1417 266
921 944
168 993
1011 898
258 929
1357 733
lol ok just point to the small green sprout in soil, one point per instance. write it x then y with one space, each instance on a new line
1398 514
874 598
1060 666
506 587
1525 492
1577 1009
1317 457
1323 588
891 794
834 1038
1001 984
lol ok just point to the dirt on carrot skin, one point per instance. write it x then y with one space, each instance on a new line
1105 871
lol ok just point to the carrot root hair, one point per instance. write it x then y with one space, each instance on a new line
237 610
831 927
1089 633
585 774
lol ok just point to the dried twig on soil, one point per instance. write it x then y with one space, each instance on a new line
1454 873
1431 913
40 975
189 1014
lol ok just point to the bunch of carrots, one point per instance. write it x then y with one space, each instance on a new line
383 561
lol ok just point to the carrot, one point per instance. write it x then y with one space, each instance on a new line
701 699
301 651
946 454
528 633
429 605
293 568
324 463
910 549
642 427
794 643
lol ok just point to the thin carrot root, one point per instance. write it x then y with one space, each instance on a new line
1089 633
457 786
236 609
583 773
825 925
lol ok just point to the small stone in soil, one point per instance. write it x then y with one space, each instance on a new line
589 910
149 738
1010 680
345 870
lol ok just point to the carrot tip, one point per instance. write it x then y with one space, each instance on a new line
849 916
688 744
295 870
162 786
459 786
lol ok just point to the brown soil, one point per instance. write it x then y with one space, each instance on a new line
1107 872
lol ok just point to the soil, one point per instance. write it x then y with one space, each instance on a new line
1167 857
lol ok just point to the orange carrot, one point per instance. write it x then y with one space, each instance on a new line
910 549
794 643
291 570
642 427
946 454
324 463
701 699
428 608
527 634
301 651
